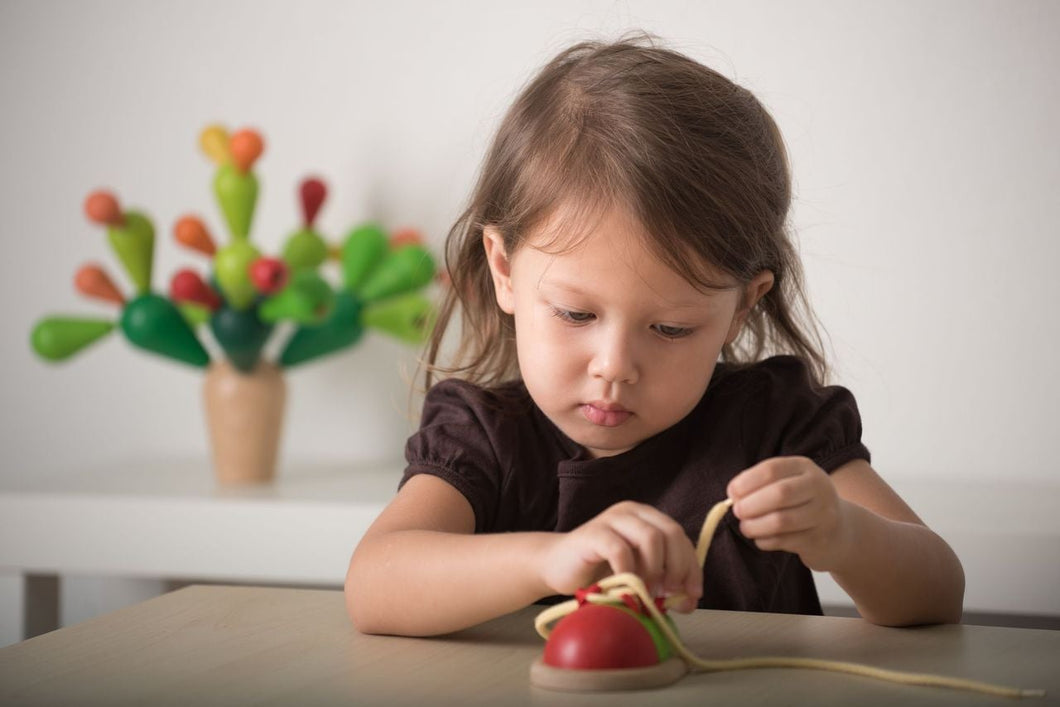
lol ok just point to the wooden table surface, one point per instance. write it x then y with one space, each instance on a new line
227 645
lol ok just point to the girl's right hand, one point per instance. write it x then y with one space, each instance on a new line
627 537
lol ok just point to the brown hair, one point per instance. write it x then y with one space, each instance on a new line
694 157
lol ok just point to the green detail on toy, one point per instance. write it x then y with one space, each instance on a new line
662 644
305 249
306 300
134 244
194 314
57 338
153 323
232 273
242 335
364 248
408 317
408 268
237 194
343 328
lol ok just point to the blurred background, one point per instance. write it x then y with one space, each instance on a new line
922 137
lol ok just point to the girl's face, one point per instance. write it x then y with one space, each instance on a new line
613 345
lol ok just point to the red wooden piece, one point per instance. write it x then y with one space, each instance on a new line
269 275
600 637
313 193
187 286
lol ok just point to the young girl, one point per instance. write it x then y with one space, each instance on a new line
621 271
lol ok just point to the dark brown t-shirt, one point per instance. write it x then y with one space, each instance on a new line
519 472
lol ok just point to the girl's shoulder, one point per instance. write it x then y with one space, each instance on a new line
455 396
780 409
778 389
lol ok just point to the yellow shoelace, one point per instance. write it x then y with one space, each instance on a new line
613 588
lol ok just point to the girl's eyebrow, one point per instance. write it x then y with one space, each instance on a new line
576 290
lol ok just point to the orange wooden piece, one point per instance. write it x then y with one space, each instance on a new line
405 236
102 207
191 233
92 281
246 147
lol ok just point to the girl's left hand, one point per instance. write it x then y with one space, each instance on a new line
790 503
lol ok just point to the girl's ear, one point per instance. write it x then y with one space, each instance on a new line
756 289
500 268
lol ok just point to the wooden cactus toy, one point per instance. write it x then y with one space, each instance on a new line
246 293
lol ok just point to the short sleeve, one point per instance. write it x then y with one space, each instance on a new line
453 444
789 414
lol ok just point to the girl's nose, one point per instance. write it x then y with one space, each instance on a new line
614 359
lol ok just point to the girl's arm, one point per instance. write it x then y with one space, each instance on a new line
853 525
900 572
419 570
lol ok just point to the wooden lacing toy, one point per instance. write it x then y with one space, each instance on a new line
615 636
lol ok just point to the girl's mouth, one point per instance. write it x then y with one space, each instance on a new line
605 414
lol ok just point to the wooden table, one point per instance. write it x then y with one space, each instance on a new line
224 645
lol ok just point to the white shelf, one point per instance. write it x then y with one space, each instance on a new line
155 521
112 535
172 520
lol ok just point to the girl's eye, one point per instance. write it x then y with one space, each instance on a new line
672 332
572 317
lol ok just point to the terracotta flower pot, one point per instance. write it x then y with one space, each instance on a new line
244 415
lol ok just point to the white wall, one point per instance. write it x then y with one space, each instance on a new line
922 138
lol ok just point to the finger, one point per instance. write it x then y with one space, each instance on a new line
773 543
680 570
649 544
761 474
790 520
788 492
683 573
688 606
609 546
